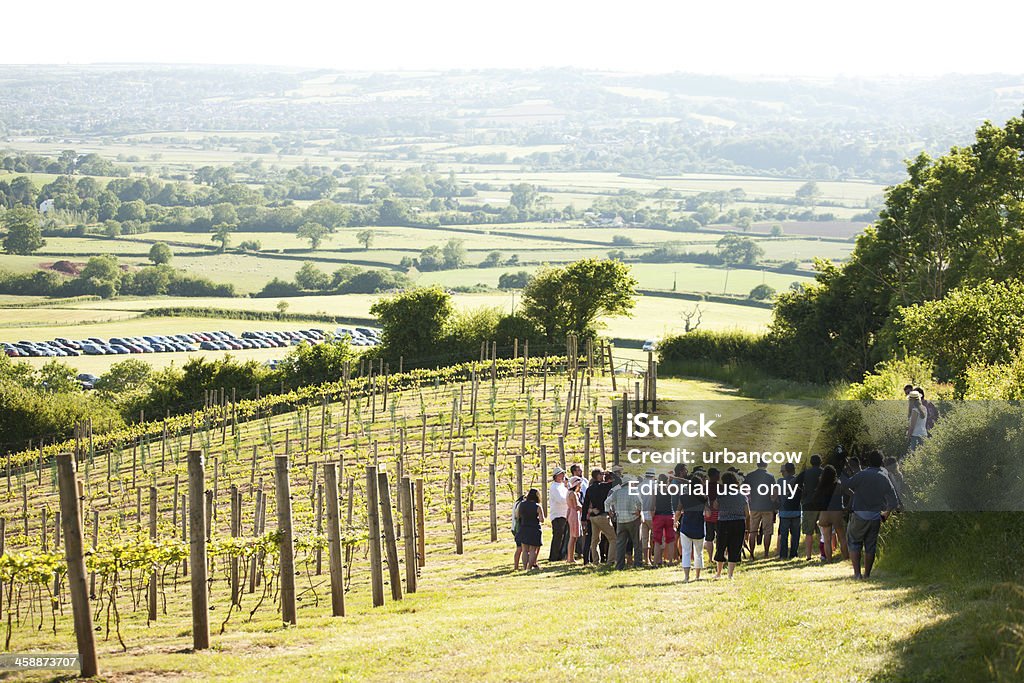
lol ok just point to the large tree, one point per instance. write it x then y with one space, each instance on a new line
414 322
314 232
956 221
24 234
570 300
160 253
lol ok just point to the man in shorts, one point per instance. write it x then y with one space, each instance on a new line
762 507
663 523
808 483
874 499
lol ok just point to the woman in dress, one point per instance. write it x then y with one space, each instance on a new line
574 517
529 536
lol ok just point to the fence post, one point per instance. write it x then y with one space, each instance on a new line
75 557
519 477
421 541
408 534
458 513
236 531
494 502
373 526
152 536
284 527
197 550
390 541
336 561
544 476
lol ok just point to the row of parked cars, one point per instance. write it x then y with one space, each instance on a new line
194 341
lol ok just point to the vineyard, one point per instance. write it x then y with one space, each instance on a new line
449 450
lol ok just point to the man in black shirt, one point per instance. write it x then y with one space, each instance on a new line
808 483
594 511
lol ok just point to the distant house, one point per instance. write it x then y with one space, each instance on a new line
46 206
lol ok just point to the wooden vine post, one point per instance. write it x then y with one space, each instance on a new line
390 540
74 554
284 527
197 550
373 530
336 560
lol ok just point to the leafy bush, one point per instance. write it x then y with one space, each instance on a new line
716 347
889 377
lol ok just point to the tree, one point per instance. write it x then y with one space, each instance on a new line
128 375
160 254
430 259
365 238
692 318
357 185
311 278
394 212
571 299
762 293
523 196
492 260
414 322
808 193
735 250
314 232
517 280
56 377
222 235
454 254
776 231
24 234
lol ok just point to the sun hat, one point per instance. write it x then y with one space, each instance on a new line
650 474
575 481
558 470
914 394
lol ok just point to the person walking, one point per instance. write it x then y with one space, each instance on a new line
874 499
531 516
557 510
732 520
763 505
626 509
917 429
691 527
829 498
789 514
807 481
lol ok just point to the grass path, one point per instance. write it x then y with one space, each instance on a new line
476 620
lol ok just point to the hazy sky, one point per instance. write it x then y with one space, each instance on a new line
785 37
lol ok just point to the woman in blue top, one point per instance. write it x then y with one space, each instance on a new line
530 517
691 529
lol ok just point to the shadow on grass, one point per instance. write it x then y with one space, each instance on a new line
952 648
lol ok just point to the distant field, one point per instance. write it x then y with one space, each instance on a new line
20 318
689 277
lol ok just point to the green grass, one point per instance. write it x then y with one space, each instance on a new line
474 619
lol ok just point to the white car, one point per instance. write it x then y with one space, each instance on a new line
650 345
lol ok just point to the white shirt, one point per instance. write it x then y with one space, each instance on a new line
558 505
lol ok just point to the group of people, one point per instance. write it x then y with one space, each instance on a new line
689 514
